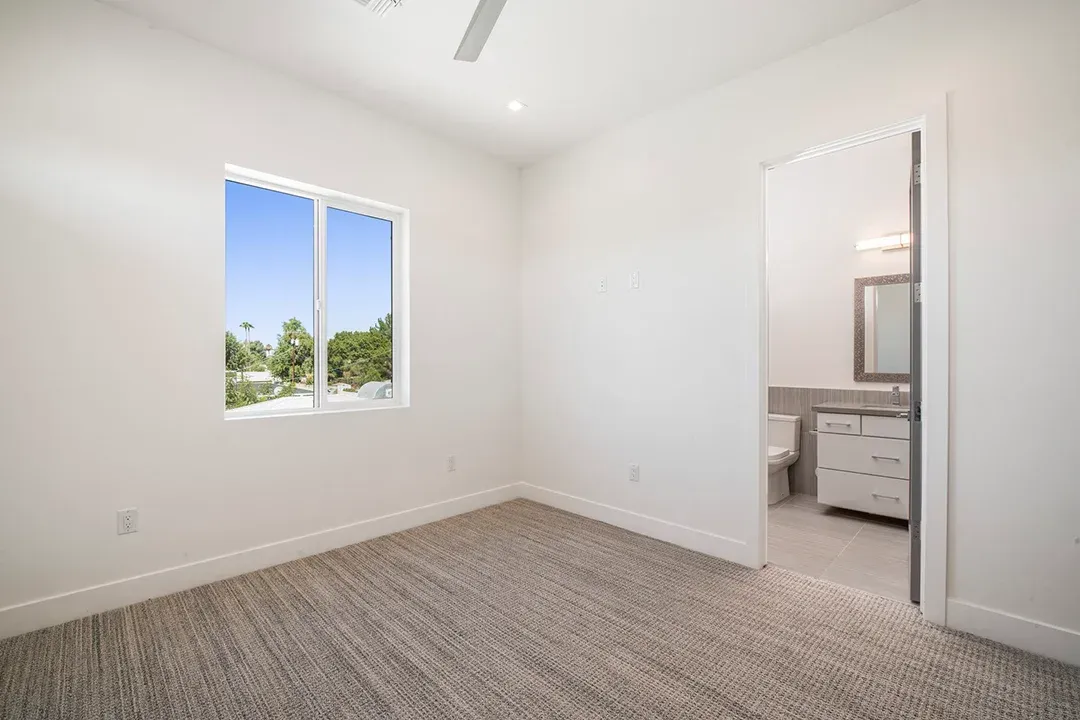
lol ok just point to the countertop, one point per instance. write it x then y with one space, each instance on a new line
860 409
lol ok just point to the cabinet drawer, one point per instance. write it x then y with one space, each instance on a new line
888 427
835 423
866 493
868 455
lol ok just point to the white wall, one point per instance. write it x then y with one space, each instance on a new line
668 376
817 210
113 141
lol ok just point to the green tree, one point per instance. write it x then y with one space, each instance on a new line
239 393
343 350
256 355
294 356
385 327
238 355
359 357
235 353
378 363
248 327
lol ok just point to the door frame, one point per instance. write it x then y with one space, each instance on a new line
936 309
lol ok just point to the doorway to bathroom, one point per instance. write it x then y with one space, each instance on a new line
844 334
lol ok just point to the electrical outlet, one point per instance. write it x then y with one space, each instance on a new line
635 280
451 463
635 472
602 287
127 521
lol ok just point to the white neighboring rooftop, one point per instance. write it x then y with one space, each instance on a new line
255 376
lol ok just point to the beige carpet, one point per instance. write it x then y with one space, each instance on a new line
521 611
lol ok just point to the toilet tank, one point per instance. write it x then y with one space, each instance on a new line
785 431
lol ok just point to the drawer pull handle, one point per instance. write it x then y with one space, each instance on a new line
830 424
885 497
885 457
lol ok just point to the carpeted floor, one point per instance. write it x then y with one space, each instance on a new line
522 611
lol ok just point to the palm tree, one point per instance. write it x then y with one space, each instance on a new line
248 327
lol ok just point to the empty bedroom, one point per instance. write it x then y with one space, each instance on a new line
516 359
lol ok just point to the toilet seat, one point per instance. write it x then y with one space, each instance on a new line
777 453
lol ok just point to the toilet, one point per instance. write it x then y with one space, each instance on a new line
784 434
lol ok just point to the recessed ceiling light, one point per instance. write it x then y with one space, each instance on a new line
516 105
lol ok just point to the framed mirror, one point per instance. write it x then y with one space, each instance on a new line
883 329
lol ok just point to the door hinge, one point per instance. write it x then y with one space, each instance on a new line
918 173
916 412
917 290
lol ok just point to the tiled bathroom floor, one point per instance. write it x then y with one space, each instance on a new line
854 549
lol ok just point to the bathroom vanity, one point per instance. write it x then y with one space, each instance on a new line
864 457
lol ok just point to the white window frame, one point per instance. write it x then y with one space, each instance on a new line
324 199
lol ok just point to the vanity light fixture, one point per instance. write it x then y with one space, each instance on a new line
899 241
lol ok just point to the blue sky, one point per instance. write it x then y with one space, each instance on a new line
269 264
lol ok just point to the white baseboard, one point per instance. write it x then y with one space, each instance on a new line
705 542
1042 639
45 612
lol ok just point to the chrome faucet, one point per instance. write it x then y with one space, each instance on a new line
895 396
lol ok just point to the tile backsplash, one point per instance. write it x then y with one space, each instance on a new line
800 401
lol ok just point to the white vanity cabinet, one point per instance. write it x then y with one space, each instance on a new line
864 462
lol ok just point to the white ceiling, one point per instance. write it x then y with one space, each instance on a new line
580 65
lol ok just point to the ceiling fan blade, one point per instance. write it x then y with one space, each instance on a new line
483 22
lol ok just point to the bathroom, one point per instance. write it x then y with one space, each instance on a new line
840 365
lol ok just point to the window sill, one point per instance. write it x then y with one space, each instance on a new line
332 409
